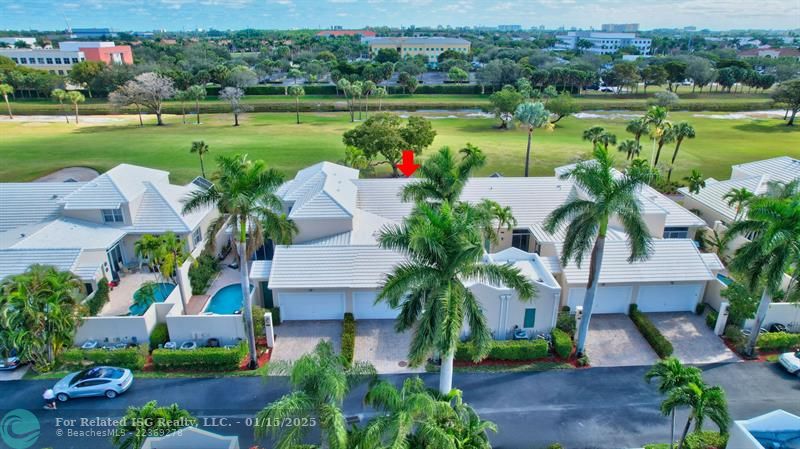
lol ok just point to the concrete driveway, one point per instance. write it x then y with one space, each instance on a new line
295 338
614 340
378 343
692 340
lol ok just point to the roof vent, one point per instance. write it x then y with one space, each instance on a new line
54 196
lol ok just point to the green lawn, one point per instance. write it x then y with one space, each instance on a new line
29 150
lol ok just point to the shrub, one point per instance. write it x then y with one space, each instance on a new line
656 446
505 350
348 338
700 308
95 304
562 343
706 440
711 318
778 341
200 359
566 322
583 360
555 446
650 332
131 358
159 336
735 336
201 273
276 316
258 321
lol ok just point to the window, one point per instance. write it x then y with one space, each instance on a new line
74 60
521 239
16 61
530 318
40 60
23 60
672 232
58 60
197 236
60 72
49 60
112 215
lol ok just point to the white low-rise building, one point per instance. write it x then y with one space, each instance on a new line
602 42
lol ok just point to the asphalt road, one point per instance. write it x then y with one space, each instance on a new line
592 408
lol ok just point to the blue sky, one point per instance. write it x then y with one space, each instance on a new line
237 14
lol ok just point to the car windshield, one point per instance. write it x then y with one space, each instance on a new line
101 372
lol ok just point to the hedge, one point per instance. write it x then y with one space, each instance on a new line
348 338
566 322
159 335
131 358
778 341
706 440
200 359
505 350
562 343
276 315
95 304
201 273
650 332
711 319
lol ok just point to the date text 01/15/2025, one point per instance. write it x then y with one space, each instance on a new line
259 422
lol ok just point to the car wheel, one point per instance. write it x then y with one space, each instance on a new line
63 397
111 394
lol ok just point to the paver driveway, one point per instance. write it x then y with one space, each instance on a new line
692 340
378 343
613 340
295 338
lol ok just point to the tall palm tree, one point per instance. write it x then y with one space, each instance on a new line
638 127
441 178
60 95
682 130
704 403
631 148
443 247
5 91
147 249
297 92
172 255
656 120
149 420
738 198
75 98
695 181
201 149
470 430
320 381
244 193
610 196
606 139
665 135
531 115
196 93
773 227
671 374
593 134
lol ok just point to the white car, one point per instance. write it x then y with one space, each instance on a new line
791 361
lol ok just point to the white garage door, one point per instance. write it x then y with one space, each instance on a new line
669 298
364 307
311 306
606 300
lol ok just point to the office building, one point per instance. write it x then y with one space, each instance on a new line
602 43
91 33
429 47
59 61
620 27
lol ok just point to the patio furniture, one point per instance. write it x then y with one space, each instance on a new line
170 345
89 344
189 346
213 343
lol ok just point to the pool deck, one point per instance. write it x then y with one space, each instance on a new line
121 297
225 278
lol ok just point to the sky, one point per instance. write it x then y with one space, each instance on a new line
176 15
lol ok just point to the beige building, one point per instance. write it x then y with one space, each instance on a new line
429 47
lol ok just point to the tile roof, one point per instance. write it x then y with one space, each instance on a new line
434 40
323 190
16 261
121 184
27 203
64 233
712 195
783 168
260 269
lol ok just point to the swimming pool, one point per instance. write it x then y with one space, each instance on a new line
160 293
226 301
724 279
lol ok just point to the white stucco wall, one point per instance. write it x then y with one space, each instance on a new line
546 305
227 328
779 312
314 228
117 328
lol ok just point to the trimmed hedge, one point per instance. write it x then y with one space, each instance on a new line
159 336
562 343
95 304
650 332
566 322
505 350
200 359
131 358
348 338
778 341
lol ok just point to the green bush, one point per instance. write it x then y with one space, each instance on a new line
778 341
735 336
258 321
657 446
348 338
200 359
95 304
711 318
706 440
562 343
566 322
276 316
583 360
203 272
505 350
159 336
131 358
700 308
650 332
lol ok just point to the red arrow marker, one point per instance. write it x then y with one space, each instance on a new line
408 167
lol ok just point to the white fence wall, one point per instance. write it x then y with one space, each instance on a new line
117 328
229 329
780 312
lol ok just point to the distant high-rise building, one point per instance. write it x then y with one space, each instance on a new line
620 27
509 27
92 33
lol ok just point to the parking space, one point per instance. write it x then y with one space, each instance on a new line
16 374
378 343
692 339
295 338
614 340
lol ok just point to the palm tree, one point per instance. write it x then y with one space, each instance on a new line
717 243
244 193
671 375
201 149
60 95
470 430
631 148
443 244
5 91
773 228
320 381
441 178
606 139
196 93
593 134
182 97
738 198
783 190
75 98
172 255
695 181
665 135
638 127
147 248
587 220
380 93
149 420
297 92
704 403
531 115
656 120
680 131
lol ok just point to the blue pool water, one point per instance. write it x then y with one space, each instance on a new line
779 439
160 293
226 301
724 279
